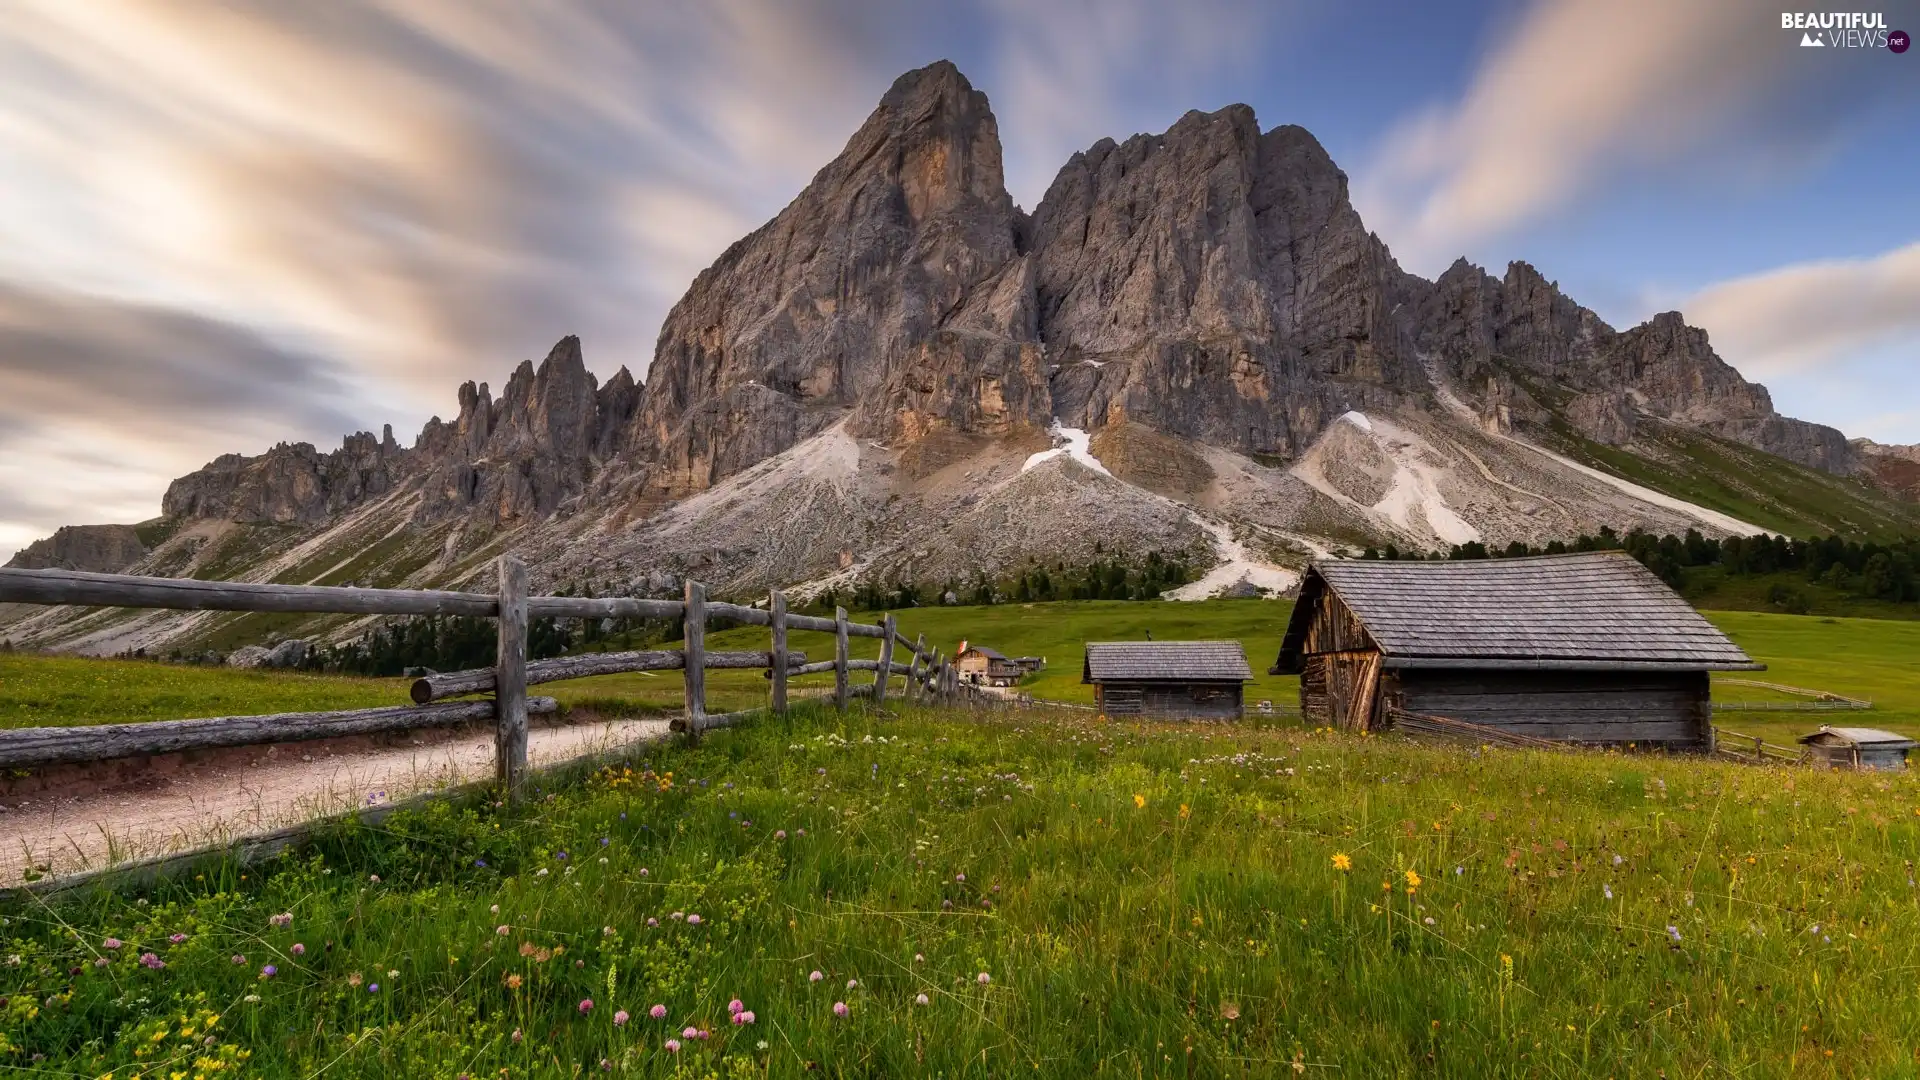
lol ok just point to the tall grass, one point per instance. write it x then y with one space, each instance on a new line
1142 900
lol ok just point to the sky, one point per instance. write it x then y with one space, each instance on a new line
228 225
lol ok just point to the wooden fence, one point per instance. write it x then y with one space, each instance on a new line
928 673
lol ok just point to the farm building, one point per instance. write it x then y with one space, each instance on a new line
982 666
1194 679
1588 647
1857 748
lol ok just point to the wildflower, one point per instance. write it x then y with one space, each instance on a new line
745 1016
238 959
1140 801
851 983
643 871
100 962
693 920
959 877
734 1007
586 1006
658 1012
513 982
373 988
920 999
269 971
481 863
1458 870
495 909
1185 812
251 999
282 920
148 960
298 949
1342 861
112 943
815 977
673 1046
1673 932
840 1009
1413 882
375 878
653 922
779 834
604 841
606 931
177 938
983 978
620 1018
516 1034
690 1032
1607 889
354 979
1617 860
677 916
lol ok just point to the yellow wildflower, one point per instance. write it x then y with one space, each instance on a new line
1140 801
1185 812
1342 861
1413 882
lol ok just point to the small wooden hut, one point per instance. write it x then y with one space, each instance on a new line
982 666
1187 679
1590 647
1857 748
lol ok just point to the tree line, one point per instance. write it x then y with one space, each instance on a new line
1879 571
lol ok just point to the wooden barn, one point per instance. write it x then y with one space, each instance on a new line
1189 679
982 666
1857 748
1589 648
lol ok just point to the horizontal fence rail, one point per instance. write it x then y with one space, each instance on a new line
928 674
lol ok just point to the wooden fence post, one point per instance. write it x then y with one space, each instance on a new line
885 674
914 690
777 606
696 651
840 658
510 678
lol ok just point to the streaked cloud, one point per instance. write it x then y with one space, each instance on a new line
1580 94
1809 316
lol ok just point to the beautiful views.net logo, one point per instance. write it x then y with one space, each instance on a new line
1845 30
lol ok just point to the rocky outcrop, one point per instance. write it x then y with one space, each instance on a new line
1895 468
862 288
99 549
1215 282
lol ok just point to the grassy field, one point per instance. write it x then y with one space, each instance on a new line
1864 658
1043 895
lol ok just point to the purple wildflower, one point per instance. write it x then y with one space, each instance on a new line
620 1018
673 1046
586 1006
269 971
658 1012
840 1009
112 943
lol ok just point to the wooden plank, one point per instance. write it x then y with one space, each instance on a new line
602 607
23 748
510 677
914 689
840 658
777 619
480 680
883 673
191 594
696 649
716 720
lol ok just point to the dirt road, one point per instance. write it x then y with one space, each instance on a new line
260 789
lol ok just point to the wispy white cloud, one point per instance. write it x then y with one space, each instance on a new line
1799 319
1072 72
1582 93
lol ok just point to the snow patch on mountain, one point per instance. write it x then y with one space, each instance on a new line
1236 565
1074 443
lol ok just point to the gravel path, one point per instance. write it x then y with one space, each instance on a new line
265 788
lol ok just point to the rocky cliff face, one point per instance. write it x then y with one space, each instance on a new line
1211 285
99 549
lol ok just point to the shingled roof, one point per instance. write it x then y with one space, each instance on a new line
1598 610
1165 661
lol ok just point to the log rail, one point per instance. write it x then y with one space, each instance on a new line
928 674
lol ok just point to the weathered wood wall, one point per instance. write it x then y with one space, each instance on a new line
1188 700
1643 707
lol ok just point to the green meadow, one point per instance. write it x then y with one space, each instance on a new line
1876 660
1033 894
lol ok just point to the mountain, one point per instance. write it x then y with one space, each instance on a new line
1192 345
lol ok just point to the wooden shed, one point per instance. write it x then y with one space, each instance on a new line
982 666
1857 748
1190 679
1589 647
